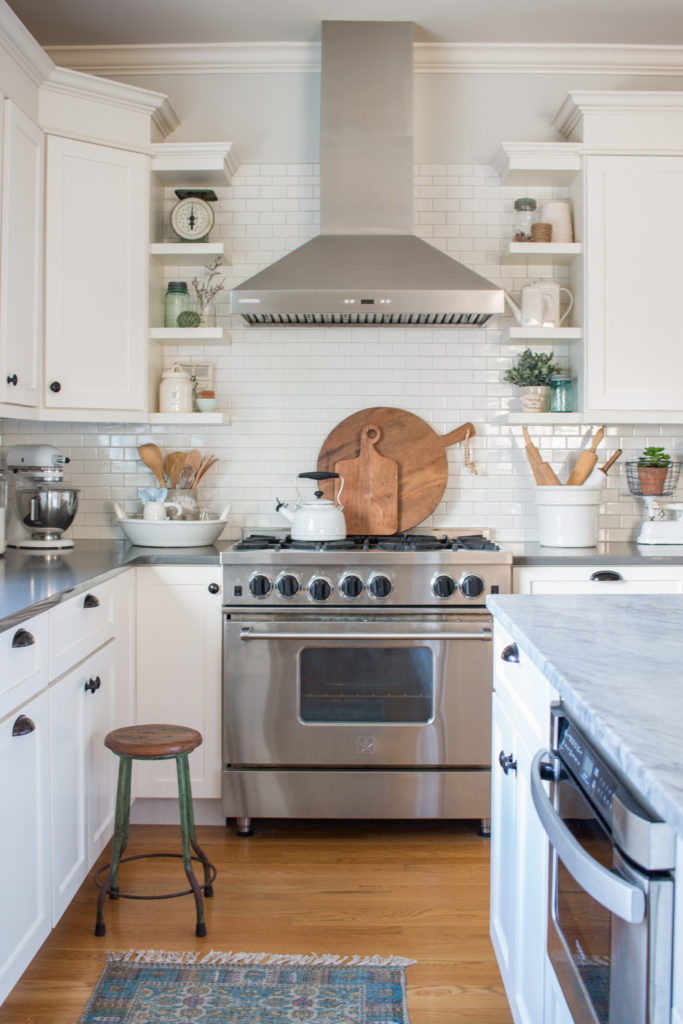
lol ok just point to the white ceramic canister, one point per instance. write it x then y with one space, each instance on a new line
175 390
568 516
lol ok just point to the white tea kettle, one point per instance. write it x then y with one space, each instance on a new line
540 305
319 519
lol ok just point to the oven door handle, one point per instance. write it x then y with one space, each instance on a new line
615 894
246 633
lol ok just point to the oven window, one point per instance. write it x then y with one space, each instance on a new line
585 924
366 684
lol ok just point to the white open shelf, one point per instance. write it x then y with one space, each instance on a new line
195 418
195 164
188 253
538 163
540 335
542 252
188 335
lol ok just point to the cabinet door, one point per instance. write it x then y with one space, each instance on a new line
633 274
96 277
82 772
503 845
25 851
21 266
179 671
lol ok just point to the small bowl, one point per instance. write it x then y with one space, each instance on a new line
207 404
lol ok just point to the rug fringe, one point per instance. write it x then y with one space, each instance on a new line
162 956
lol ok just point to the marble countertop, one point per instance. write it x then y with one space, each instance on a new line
32 581
617 663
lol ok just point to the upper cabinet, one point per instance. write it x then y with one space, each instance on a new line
21 258
96 277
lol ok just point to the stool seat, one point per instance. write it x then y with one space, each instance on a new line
154 741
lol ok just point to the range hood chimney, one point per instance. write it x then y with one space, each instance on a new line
366 267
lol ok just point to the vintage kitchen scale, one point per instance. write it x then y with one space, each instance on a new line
657 528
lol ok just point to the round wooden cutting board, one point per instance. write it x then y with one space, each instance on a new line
408 440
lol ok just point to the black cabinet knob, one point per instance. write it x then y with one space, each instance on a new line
213 588
507 762
55 386
23 726
90 601
93 684
13 380
22 638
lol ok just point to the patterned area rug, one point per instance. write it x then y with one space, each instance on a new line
158 988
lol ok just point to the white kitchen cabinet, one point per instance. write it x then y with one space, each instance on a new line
599 579
179 671
21 259
25 851
519 848
96 288
677 993
82 771
24 662
633 273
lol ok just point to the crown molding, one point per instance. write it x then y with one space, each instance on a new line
429 58
129 97
22 47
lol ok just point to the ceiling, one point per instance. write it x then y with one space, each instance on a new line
145 22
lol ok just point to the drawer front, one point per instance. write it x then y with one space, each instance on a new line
522 688
24 657
79 626
598 579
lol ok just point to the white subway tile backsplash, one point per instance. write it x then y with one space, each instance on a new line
285 389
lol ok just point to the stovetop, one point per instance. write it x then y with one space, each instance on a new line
403 570
394 542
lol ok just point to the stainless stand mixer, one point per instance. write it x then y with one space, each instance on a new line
40 507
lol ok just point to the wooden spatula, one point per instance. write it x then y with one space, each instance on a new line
543 471
151 456
370 492
586 461
173 465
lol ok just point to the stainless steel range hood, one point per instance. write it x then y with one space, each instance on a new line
366 267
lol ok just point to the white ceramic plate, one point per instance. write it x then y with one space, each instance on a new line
171 533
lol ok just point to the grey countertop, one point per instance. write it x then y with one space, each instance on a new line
617 663
31 581
620 552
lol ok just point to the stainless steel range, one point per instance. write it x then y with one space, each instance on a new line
357 677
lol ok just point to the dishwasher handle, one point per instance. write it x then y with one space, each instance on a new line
618 896
247 633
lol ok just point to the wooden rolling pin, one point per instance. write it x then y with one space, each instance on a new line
586 461
543 472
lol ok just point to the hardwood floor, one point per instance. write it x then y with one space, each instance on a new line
418 890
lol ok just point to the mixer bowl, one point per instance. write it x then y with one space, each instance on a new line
46 511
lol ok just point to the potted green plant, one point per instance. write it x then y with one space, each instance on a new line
653 466
532 374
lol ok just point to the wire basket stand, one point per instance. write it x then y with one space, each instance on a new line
651 483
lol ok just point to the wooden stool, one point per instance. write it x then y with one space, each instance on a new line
154 743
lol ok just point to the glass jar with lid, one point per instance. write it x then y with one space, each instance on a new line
561 393
177 300
525 210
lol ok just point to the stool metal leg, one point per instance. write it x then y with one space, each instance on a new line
207 887
187 834
119 842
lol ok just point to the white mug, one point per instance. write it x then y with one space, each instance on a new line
558 213
154 511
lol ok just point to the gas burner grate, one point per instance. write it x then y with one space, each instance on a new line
257 542
472 542
394 542
320 545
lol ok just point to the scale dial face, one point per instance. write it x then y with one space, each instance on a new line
192 219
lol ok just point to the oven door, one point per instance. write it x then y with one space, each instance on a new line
357 690
609 922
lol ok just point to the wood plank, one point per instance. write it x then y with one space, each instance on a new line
415 889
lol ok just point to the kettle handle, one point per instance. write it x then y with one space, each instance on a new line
318 476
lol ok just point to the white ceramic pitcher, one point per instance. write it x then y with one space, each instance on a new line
540 305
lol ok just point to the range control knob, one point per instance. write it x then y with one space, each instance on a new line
472 585
259 585
351 585
444 586
319 589
287 585
380 586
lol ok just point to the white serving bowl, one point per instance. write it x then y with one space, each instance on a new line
171 533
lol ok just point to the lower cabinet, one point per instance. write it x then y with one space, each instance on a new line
82 772
25 852
179 671
519 848
598 579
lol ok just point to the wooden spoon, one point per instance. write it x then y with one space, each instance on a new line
204 468
151 456
193 459
173 466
